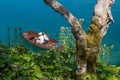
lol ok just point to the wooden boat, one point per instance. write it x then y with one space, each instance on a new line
30 37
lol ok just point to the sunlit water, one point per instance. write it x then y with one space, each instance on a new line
36 15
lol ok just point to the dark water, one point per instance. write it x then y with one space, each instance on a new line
36 15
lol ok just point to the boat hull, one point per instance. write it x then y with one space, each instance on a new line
31 37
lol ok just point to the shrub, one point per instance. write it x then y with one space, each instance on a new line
18 63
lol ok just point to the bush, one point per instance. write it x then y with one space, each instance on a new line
18 63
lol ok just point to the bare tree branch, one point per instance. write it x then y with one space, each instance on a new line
79 34
102 13
76 27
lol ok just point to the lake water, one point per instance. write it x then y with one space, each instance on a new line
36 15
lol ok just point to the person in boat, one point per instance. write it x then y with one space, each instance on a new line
46 38
40 39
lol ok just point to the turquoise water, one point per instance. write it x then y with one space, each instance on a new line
36 15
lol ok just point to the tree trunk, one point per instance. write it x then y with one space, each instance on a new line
88 45
100 22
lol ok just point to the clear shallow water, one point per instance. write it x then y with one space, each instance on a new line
35 15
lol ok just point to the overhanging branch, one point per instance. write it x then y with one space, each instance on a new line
77 30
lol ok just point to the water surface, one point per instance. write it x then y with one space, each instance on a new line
36 15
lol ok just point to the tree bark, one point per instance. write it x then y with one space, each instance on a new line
101 19
88 45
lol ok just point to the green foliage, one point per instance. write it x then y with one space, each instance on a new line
90 77
66 38
107 72
105 51
104 72
18 63
22 64
57 64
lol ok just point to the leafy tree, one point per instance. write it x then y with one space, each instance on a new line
87 44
